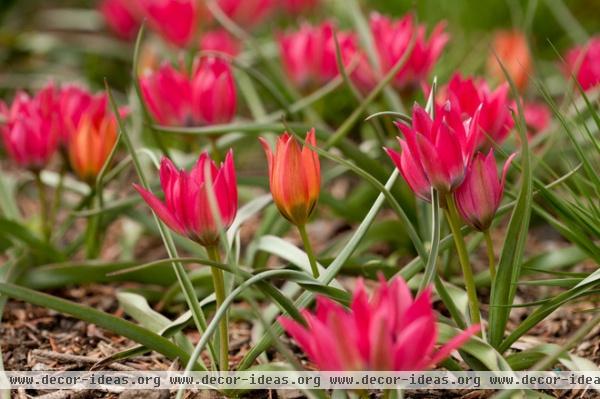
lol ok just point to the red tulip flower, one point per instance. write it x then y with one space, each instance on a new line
167 94
176 99
495 119
436 152
75 103
294 177
309 56
187 206
584 63
91 145
120 18
479 196
391 331
392 39
30 128
213 92
175 20
219 40
247 12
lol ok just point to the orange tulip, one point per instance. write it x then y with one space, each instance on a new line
90 146
512 49
294 177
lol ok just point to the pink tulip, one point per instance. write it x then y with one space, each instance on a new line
187 208
436 152
247 12
392 39
167 94
175 20
495 119
30 128
176 99
389 332
213 91
294 48
584 63
309 56
219 40
479 196
299 6
119 17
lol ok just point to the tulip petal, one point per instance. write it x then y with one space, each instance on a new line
453 344
161 210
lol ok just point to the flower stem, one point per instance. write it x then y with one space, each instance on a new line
309 251
214 149
219 285
56 202
490 253
463 257
43 206
92 232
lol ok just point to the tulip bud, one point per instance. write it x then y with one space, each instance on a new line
30 128
188 209
120 18
91 145
294 177
75 103
167 95
479 196
175 20
513 51
213 92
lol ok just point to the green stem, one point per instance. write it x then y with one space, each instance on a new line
490 253
92 236
214 149
56 202
219 285
309 251
463 257
46 229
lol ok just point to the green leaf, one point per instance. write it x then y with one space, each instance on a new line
431 266
72 273
8 203
16 231
509 265
246 212
290 253
137 307
101 319
527 358
549 306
